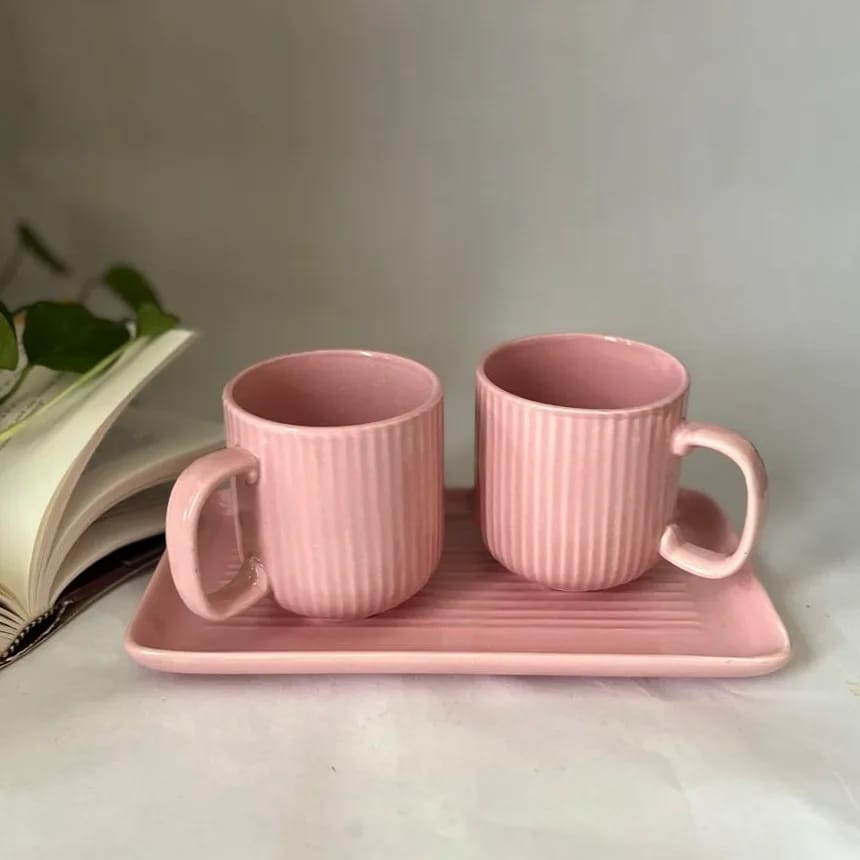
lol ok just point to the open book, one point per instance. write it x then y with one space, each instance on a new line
85 479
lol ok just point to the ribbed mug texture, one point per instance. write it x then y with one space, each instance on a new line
336 464
346 523
575 498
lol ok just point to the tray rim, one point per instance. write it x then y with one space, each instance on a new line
430 662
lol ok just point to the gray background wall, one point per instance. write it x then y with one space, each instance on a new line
432 177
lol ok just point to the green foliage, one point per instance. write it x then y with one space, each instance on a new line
8 340
130 285
135 290
67 336
151 320
36 247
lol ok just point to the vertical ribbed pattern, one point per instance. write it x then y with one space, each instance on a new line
475 617
346 522
575 500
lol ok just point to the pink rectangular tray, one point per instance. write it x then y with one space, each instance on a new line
476 618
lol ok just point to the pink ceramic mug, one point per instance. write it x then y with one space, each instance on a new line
336 458
579 440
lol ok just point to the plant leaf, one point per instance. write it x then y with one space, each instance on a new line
153 321
8 340
131 286
68 337
30 240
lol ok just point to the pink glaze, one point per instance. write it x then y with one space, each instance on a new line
336 461
475 617
579 446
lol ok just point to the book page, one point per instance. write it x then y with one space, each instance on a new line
41 464
138 517
139 440
144 447
10 626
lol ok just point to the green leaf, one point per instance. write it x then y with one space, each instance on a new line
68 337
131 286
33 243
153 321
80 382
137 292
8 340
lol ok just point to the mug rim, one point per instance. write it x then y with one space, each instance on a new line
580 411
432 400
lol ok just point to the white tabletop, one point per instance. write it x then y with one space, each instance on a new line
100 754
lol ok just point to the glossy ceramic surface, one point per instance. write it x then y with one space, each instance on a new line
336 461
474 617
579 440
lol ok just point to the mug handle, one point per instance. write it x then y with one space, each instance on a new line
188 498
696 559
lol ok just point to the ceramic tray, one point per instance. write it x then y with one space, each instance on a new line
476 618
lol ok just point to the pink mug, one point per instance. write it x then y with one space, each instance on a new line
579 446
336 461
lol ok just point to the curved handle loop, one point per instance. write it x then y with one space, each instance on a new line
698 560
190 493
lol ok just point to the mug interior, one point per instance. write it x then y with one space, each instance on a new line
586 372
334 388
